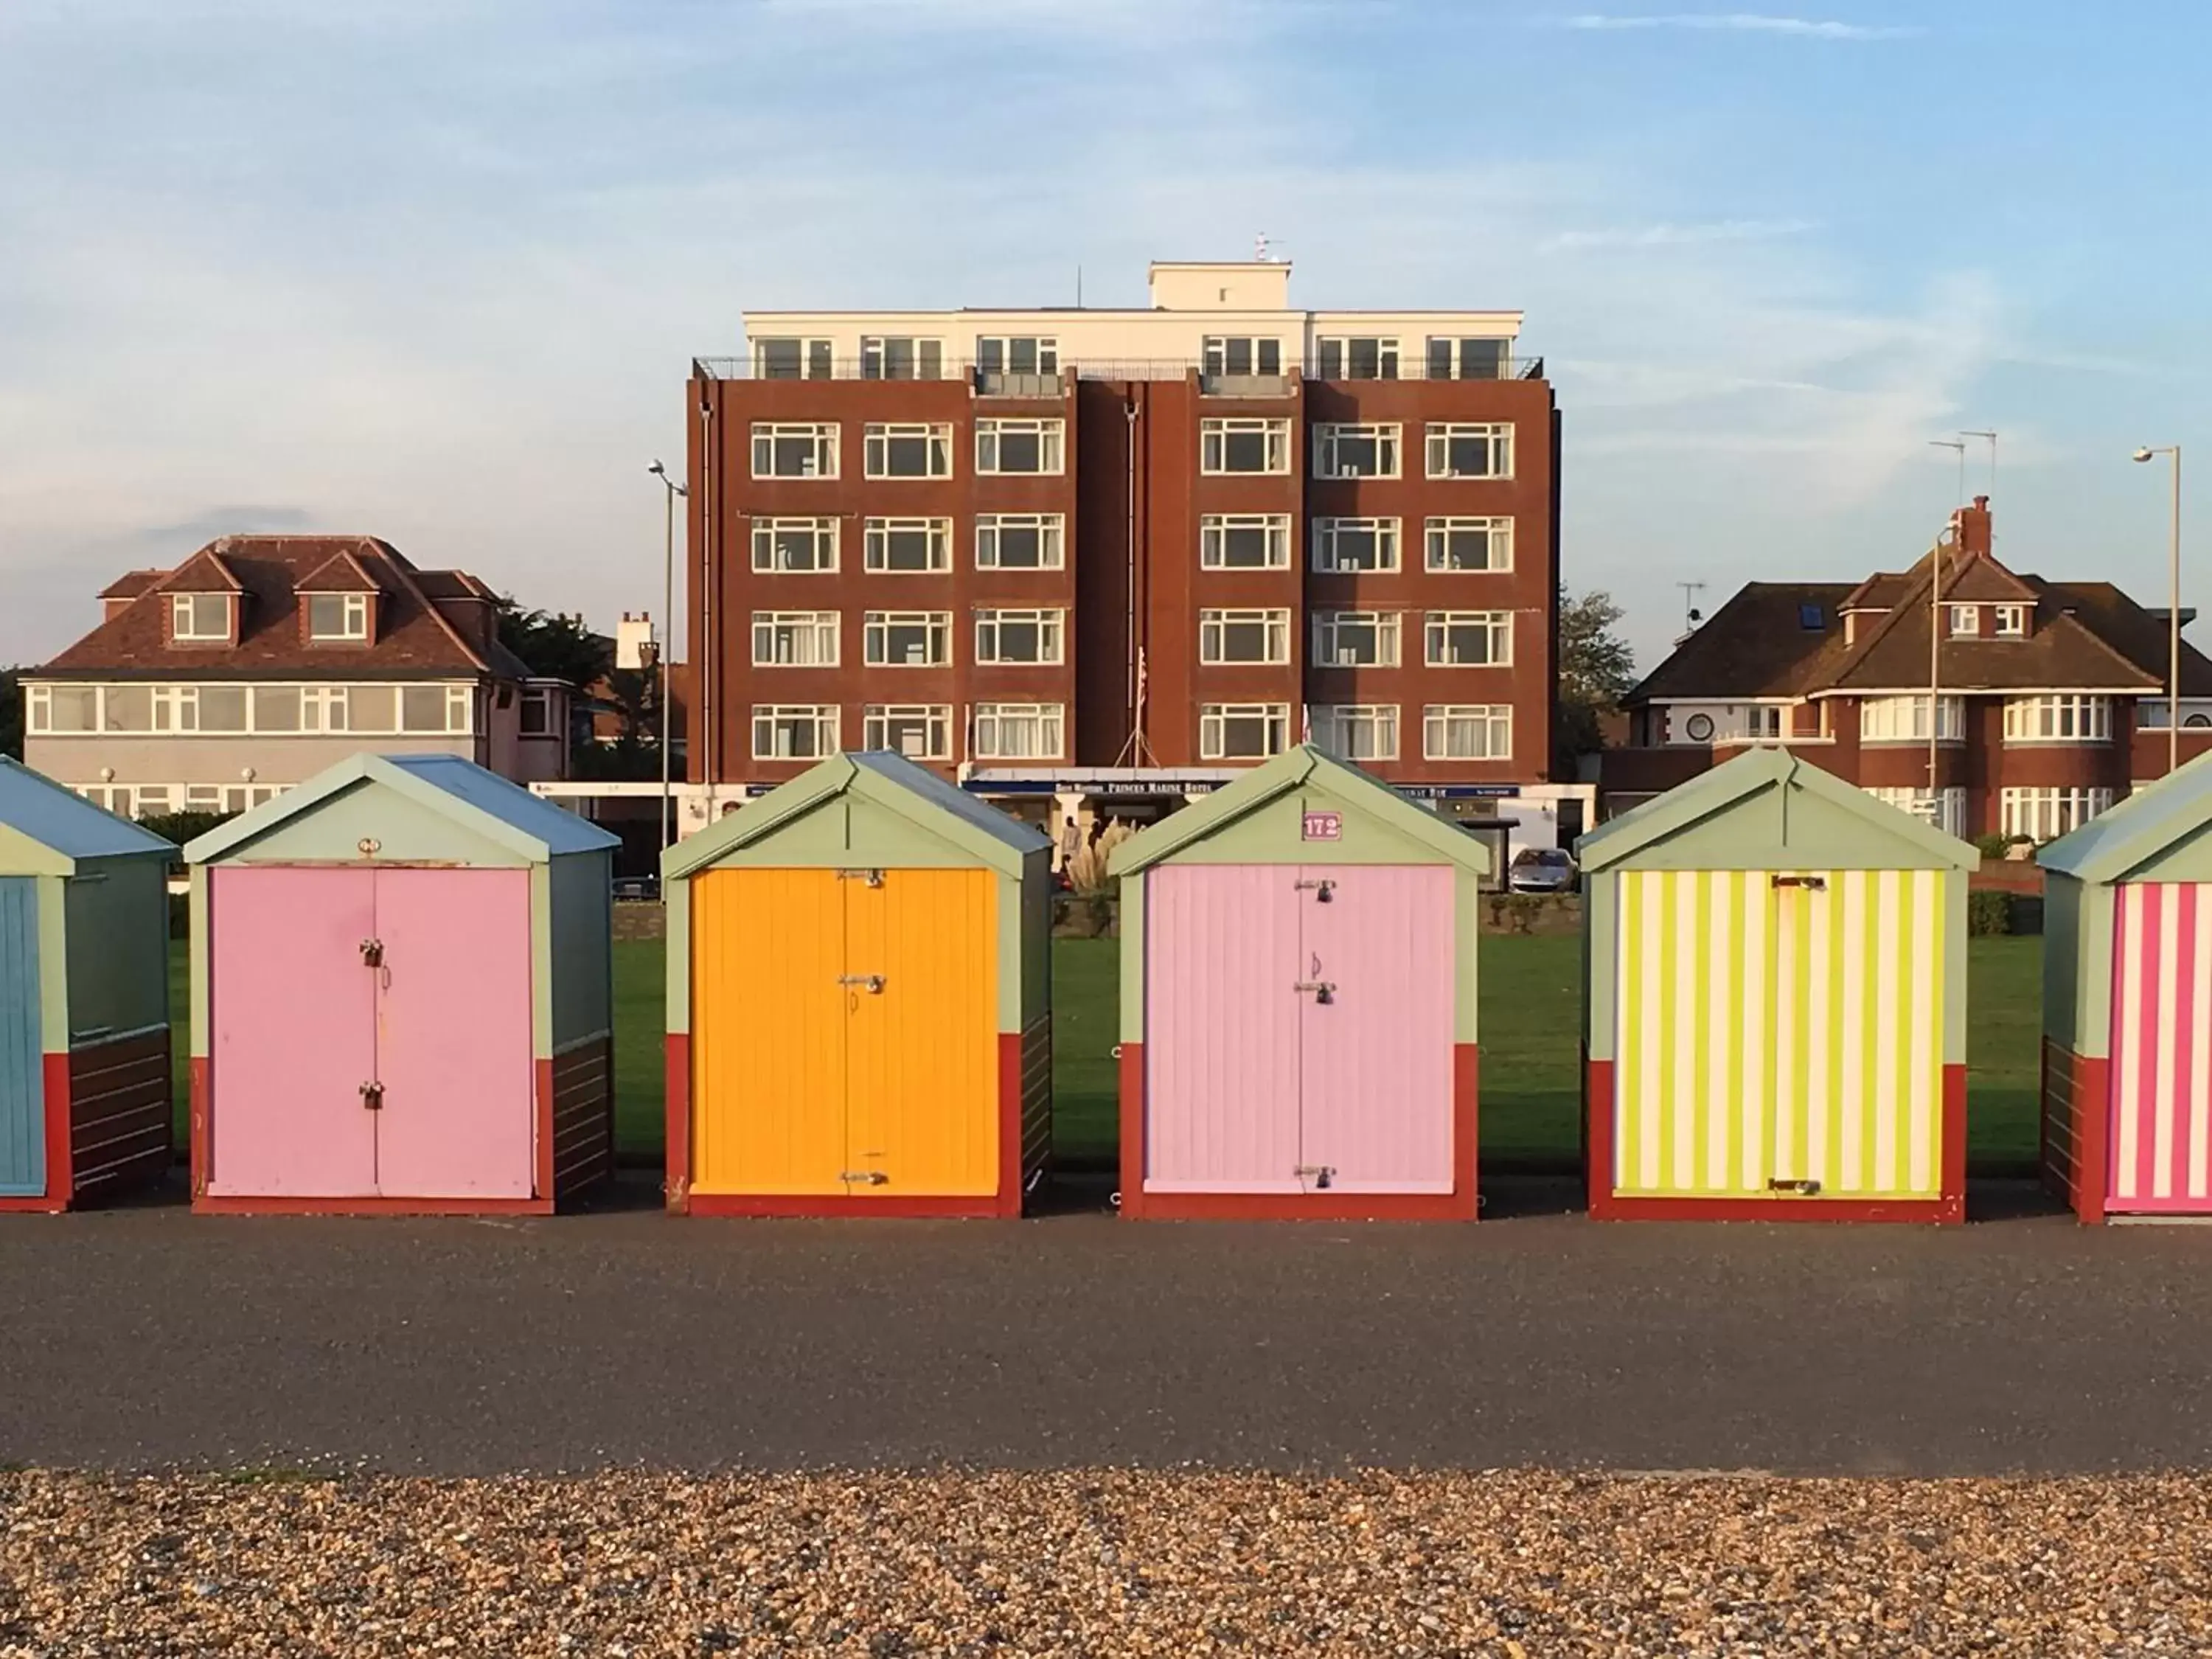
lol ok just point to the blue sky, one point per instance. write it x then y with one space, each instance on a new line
435 268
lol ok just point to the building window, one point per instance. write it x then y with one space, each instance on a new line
2155 715
911 450
1965 619
2058 719
337 616
791 359
794 546
1017 541
2011 622
323 709
1243 731
794 449
1357 357
906 639
907 546
1946 808
1018 354
199 616
1244 446
1018 731
1466 451
1457 359
537 711
1355 545
1356 639
1242 354
901 357
1017 446
1356 731
176 709
806 730
1905 719
1470 639
1467 730
1456 545
62 708
2047 814
1244 637
919 731
794 639
1244 541
1028 637
1356 451
426 708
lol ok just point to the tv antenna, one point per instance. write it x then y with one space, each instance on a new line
1989 438
1690 615
1261 251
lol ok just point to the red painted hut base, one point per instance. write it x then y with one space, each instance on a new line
2077 1092
107 1117
1462 1203
1948 1208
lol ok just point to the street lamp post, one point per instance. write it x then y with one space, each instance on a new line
667 641
2173 613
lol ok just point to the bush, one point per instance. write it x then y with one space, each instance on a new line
1989 913
181 827
1992 846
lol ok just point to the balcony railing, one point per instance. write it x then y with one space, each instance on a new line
999 382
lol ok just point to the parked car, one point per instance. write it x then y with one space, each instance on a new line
1543 869
636 887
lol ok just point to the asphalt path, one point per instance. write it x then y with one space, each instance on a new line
146 1337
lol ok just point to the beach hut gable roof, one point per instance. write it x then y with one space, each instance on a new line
1782 776
1303 767
890 781
502 812
2158 819
67 826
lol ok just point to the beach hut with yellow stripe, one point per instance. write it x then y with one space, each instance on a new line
1775 1003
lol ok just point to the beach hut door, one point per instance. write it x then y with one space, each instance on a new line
22 1094
2161 1137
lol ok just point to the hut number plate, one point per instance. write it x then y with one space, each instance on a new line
1324 826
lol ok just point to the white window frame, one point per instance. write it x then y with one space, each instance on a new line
1966 621
1050 432
2045 814
1329 536
1216 349
808 631
1052 539
823 435
1947 811
1215 719
1457 357
877 438
1213 435
1442 435
924 354
935 718
185 620
353 620
1330 627
814 352
1214 529
176 709
1437 719
1437 629
2058 719
1331 438
1045 349
877 627
1388 357
1215 627
172 710
1904 719
324 709
991 719
1497 529
1050 625
767 716
541 698
1332 722
2010 622
876 545
767 557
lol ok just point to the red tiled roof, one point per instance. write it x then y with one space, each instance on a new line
206 572
131 583
414 638
341 573
452 585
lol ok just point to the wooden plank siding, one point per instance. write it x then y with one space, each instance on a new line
582 1127
120 1125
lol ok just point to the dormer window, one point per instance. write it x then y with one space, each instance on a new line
1965 620
2011 622
201 618
337 616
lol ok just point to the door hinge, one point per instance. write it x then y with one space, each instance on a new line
1324 990
372 953
865 1177
1323 890
872 983
1320 1174
874 878
1803 1189
1817 884
372 1095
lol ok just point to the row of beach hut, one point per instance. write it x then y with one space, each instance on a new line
402 999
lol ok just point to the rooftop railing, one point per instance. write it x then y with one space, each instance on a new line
1216 379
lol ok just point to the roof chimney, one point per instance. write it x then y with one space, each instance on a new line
1971 530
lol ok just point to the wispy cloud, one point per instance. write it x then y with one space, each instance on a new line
1745 23
1681 235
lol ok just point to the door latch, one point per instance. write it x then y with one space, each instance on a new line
872 983
872 878
1324 990
865 1177
1324 892
1816 884
372 953
1803 1189
1320 1174
372 1095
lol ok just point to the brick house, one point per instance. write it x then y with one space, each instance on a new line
261 660
2050 699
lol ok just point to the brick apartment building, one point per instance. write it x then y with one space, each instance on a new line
261 660
1109 555
2051 698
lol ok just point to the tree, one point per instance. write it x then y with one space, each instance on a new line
554 647
1596 669
11 712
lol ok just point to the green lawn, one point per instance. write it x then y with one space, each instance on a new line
1531 1094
